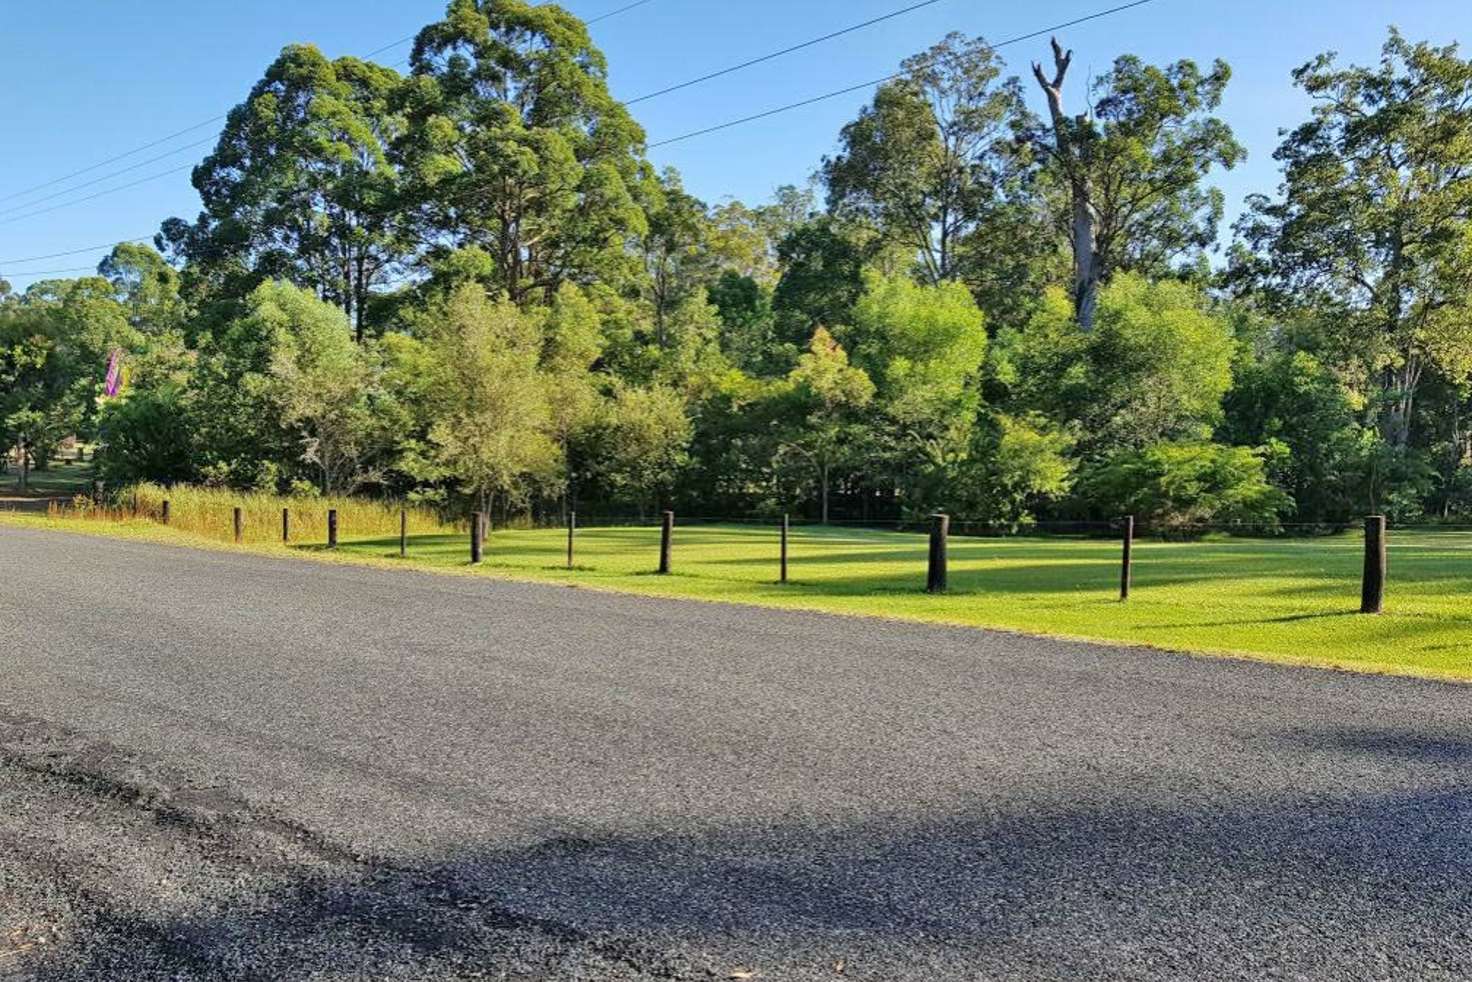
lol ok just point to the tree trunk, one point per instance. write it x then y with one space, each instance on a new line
824 470
1084 234
1086 272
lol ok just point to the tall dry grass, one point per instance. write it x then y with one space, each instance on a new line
209 513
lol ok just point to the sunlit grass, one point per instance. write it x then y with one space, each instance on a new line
1284 599
209 513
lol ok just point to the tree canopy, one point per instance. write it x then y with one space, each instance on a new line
468 285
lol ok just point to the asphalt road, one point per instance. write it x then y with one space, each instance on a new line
222 766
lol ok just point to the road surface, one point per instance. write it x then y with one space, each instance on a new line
226 766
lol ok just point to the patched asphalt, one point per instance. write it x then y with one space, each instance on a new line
220 766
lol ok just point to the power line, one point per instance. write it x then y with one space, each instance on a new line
785 51
109 160
391 44
888 78
106 177
190 129
73 252
89 197
614 13
47 272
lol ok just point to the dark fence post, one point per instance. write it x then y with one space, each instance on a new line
286 525
477 529
785 525
666 533
239 526
572 527
1127 544
940 528
332 528
403 532
1372 588
165 515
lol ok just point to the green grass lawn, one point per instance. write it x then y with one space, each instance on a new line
61 477
1291 600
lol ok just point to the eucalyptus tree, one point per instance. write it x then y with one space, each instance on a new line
1372 225
1131 165
146 285
516 146
301 185
934 156
674 248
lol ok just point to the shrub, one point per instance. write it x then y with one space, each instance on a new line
1182 484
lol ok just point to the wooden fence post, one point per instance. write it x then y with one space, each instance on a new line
332 528
165 514
285 525
666 533
785 525
239 526
1127 544
477 529
403 532
1372 587
940 528
572 527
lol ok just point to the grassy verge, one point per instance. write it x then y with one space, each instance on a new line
1284 600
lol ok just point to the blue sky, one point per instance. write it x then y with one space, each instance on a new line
85 80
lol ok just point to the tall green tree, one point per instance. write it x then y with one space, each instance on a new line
1155 367
923 346
515 145
489 426
825 395
674 249
326 389
301 185
1372 225
639 447
935 156
147 285
1129 167
822 279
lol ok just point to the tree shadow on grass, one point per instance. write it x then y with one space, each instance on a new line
1247 621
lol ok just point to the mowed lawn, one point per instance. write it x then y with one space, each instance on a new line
1291 599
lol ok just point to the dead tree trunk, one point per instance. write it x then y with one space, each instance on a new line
1069 150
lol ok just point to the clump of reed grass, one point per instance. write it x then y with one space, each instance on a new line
209 513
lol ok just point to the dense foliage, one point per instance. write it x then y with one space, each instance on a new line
467 285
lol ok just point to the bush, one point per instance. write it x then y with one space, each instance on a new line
1181 484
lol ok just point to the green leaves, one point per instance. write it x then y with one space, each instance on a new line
515 145
933 154
1372 225
1185 484
302 184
